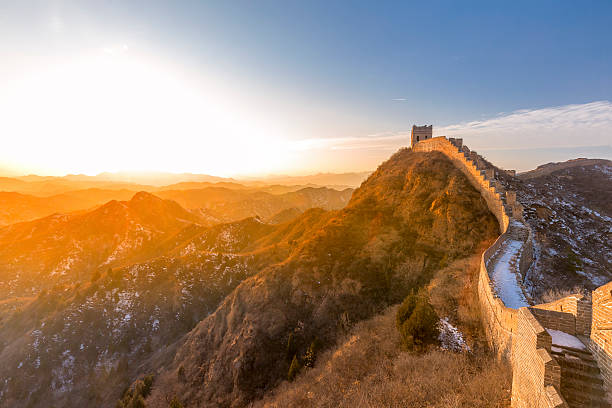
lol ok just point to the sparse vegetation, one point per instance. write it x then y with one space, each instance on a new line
368 369
134 397
417 321
556 293
175 403
294 368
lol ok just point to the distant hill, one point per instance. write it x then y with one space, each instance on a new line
70 248
569 207
548 168
48 186
225 205
332 180
221 202
17 207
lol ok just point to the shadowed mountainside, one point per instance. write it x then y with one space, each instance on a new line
569 208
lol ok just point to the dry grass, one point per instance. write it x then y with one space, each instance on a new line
367 369
453 292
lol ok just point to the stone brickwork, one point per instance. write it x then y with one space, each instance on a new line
551 319
541 373
499 321
420 133
536 375
601 333
578 306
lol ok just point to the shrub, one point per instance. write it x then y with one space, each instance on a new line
181 374
405 310
148 383
135 395
175 403
294 369
311 355
417 321
291 347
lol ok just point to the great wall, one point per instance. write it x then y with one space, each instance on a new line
560 352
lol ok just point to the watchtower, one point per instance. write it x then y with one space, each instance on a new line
420 133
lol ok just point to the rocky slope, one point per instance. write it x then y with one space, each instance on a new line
69 248
569 208
414 214
81 344
91 300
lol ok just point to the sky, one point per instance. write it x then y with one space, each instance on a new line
292 87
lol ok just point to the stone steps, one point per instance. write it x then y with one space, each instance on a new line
582 385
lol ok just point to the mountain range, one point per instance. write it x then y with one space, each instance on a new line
212 288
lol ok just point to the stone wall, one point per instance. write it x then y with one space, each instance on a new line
536 375
578 306
420 133
485 183
519 334
499 321
601 333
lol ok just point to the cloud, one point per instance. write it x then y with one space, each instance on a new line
587 124
382 141
521 139
399 99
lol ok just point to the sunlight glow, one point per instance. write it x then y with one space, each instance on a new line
112 111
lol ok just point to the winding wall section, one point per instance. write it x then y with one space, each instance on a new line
499 321
521 333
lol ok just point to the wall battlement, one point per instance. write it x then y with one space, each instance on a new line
521 334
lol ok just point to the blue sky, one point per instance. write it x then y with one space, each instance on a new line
336 70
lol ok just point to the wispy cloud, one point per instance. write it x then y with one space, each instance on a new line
399 99
555 133
587 124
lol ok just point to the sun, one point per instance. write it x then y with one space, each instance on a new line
114 111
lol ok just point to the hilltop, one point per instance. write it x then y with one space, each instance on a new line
413 215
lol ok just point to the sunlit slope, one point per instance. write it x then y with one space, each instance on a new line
68 248
415 214
221 202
